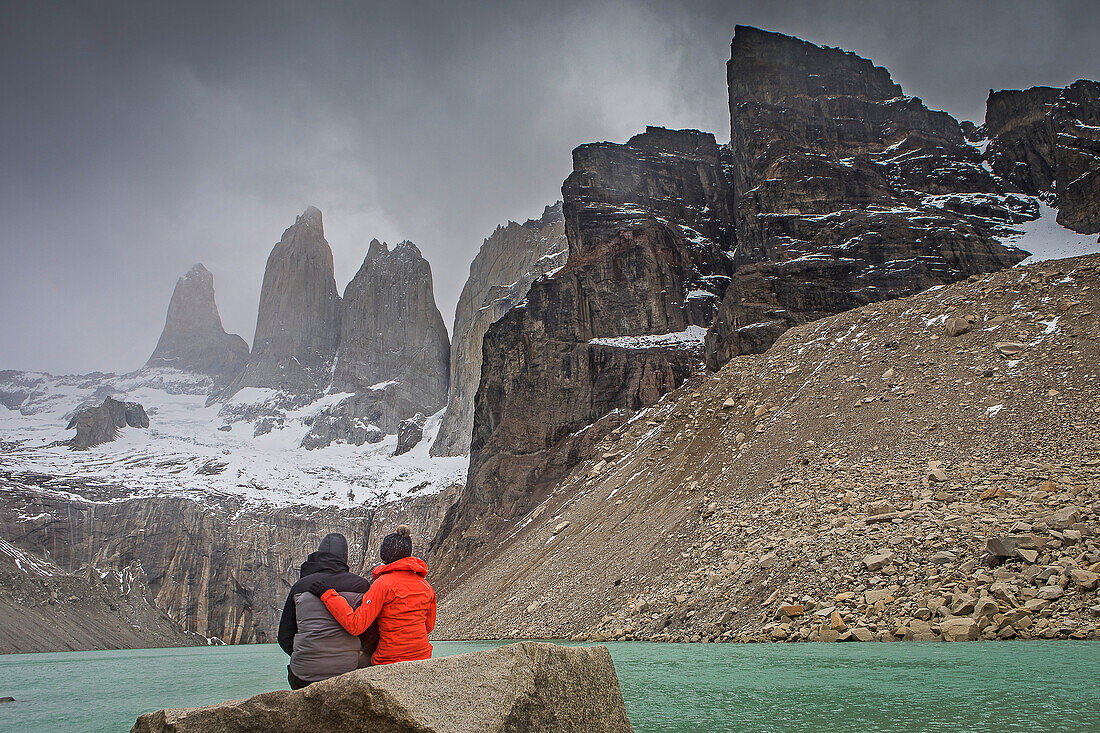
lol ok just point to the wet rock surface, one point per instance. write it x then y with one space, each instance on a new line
528 687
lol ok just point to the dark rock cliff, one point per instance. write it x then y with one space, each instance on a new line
1048 140
617 327
193 338
835 191
849 192
511 259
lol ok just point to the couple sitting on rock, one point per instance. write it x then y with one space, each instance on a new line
395 612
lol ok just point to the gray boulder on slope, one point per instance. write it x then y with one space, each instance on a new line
101 424
529 687
193 338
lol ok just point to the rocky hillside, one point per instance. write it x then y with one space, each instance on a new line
45 609
835 191
193 338
923 468
512 258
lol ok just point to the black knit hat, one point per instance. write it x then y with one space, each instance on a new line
397 545
335 544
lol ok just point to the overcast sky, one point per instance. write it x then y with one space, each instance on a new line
139 138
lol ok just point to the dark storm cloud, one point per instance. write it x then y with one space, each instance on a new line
139 138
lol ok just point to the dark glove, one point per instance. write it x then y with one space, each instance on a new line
318 587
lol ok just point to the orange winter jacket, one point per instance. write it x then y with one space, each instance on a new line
404 605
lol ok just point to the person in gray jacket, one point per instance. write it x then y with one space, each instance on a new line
318 646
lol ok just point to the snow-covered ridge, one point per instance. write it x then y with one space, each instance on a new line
189 449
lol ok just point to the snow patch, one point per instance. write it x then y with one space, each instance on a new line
1046 239
690 337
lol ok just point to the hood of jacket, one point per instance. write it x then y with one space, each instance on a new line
324 561
407 564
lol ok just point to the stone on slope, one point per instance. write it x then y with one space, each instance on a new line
101 424
409 433
193 338
518 687
512 258
298 322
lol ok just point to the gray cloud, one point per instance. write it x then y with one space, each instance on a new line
139 138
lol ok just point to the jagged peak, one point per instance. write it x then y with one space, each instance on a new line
197 270
382 249
312 215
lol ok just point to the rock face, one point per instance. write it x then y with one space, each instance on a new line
298 324
518 687
45 609
193 338
835 191
97 425
220 568
512 258
849 192
1048 140
621 324
409 433
393 347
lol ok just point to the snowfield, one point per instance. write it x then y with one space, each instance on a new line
183 452
1046 239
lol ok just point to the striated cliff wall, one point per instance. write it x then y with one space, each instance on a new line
1047 140
221 567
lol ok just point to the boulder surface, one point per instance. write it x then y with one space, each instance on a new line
519 687
101 424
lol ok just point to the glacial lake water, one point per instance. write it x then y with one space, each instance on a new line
669 688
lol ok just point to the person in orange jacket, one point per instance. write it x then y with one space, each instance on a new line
399 598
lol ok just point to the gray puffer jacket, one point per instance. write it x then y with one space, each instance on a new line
318 646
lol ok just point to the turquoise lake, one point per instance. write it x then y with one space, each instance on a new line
904 687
